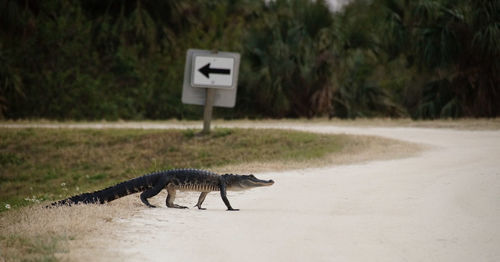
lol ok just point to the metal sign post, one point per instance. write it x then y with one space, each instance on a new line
210 79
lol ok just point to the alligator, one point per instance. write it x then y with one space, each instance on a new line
176 179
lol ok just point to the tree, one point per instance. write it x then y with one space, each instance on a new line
456 43
290 59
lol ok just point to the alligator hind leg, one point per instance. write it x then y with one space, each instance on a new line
171 198
145 201
201 199
150 193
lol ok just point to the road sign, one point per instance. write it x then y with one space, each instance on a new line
208 69
211 71
210 79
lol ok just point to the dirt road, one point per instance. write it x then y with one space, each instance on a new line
442 205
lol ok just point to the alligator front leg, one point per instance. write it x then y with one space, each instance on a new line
171 197
224 198
201 199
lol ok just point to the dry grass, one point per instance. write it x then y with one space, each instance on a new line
460 124
356 149
36 233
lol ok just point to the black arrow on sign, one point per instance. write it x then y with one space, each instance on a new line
206 71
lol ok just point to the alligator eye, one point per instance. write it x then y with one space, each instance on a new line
251 176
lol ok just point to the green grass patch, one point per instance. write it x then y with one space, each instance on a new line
9 159
50 164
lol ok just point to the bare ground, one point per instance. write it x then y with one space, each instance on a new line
461 124
442 205
439 205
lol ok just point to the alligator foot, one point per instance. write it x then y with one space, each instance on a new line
200 208
145 201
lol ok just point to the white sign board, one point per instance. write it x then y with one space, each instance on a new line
212 71
208 69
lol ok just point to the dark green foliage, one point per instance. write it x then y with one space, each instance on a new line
289 51
104 59
10 159
456 46
125 59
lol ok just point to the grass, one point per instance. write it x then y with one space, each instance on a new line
41 165
36 234
48 164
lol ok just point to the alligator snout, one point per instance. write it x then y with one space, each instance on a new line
269 182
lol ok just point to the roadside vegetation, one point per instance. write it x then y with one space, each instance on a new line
48 164
113 60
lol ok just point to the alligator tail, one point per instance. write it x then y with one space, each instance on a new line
111 193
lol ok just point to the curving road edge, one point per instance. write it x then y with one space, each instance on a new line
441 205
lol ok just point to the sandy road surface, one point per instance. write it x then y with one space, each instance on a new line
442 205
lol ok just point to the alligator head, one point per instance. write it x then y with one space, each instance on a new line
244 182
